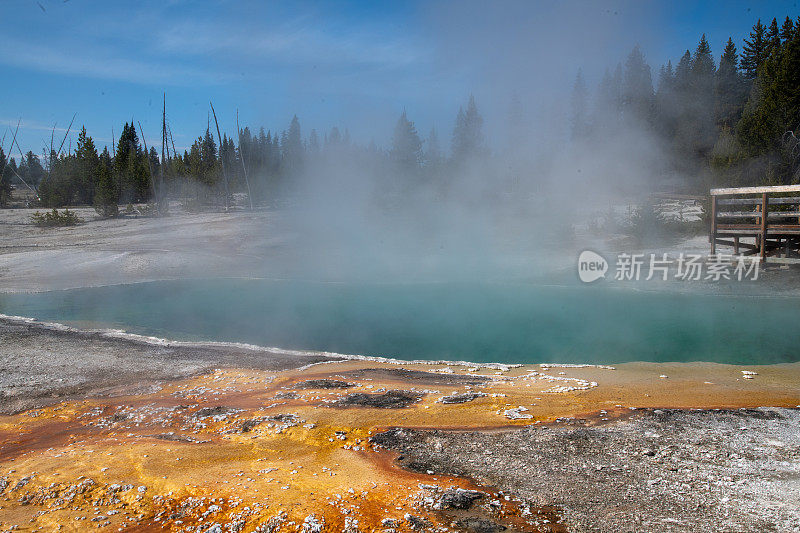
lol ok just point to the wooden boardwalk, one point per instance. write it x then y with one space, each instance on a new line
768 216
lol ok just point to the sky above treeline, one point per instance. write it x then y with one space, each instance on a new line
354 65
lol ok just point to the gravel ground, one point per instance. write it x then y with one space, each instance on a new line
658 470
39 365
127 250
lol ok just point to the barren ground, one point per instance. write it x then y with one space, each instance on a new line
126 250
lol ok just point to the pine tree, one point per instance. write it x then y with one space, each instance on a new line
247 152
12 171
31 169
406 149
637 88
292 151
207 164
227 155
468 133
699 133
702 72
154 163
130 168
702 56
666 76
194 162
773 38
333 139
682 72
729 89
787 30
728 61
274 150
264 155
755 50
665 101
86 163
313 142
105 198
692 128
774 106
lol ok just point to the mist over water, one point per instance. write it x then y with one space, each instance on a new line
507 210
345 229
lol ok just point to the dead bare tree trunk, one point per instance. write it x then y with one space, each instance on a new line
244 166
61 146
50 153
163 143
10 151
172 141
22 158
13 139
221 156
150 166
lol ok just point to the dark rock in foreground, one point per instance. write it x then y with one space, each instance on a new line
479 525
323 384
393 399
462 397
459 498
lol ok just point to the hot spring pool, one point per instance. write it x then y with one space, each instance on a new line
461 321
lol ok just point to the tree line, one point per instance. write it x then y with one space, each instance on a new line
264 164
732 123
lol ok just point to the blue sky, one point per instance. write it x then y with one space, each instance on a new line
354 64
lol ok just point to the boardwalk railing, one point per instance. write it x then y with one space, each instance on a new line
769 216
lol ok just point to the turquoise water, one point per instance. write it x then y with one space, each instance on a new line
478 322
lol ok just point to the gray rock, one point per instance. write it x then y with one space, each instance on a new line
462 397
479 525
323 384
416 523
393 399
459 498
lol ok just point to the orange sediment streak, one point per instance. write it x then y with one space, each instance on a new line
245 449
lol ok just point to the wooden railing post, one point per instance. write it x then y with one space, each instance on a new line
758 220
713 224
764 214
774 232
